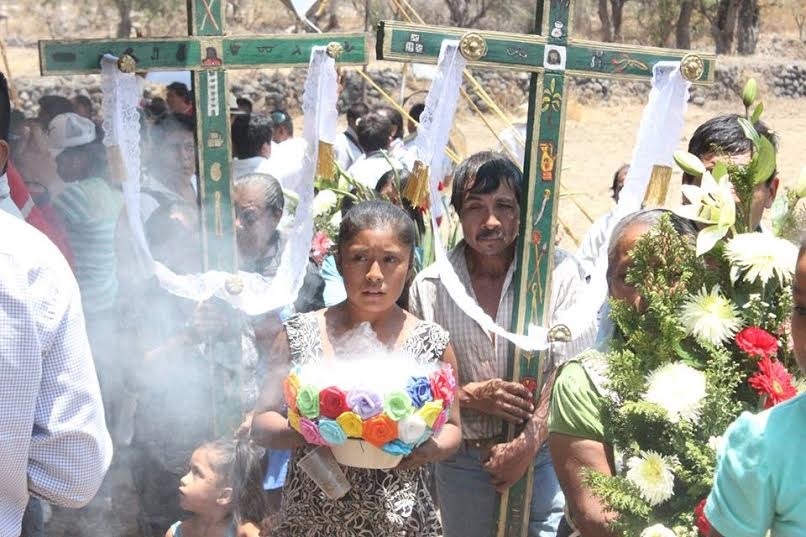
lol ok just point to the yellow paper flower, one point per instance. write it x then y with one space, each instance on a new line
293 420
351 423
430 412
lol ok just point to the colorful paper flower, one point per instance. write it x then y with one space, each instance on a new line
308 401
332 402
331 432
710 317
441 420
320 247
290 388
773 382
365 403
352 424
310 432
759 256
411 429
658 530
293 420
678 389
419 389
651 473
397 405
396 447
379 430
430 412
701 520
711 203
757 342
443 385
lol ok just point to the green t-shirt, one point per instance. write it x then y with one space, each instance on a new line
576 406
760 484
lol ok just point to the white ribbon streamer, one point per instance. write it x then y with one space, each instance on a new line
432 138
259 294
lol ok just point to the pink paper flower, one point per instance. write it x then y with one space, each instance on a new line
310 432
440 422
320 247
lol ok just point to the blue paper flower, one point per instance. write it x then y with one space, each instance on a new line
419 389
331 432
396 447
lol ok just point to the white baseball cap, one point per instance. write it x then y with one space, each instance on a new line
69 130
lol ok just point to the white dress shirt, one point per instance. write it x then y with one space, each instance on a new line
369 168
346 148
55 444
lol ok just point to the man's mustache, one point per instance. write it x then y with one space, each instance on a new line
489 235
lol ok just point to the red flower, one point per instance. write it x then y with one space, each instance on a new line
332 402
536 238
320 247
702 522
530 383
443 386
773 382
757 342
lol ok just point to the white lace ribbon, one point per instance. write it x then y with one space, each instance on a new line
259 294
432 138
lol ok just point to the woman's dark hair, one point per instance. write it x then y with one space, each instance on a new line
483 173
238 465
614 186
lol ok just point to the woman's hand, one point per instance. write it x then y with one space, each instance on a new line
429 451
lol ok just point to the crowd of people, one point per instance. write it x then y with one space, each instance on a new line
149 348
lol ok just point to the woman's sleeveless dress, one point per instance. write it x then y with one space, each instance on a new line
380 503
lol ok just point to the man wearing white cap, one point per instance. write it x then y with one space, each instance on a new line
90 209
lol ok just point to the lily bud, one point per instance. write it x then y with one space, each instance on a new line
750 93
689 163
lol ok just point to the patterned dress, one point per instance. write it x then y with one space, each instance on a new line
380 503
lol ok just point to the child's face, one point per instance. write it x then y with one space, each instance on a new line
199 489
799 311
374 265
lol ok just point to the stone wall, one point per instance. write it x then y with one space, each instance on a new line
283 89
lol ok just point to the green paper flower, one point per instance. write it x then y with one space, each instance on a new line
308 401
397 405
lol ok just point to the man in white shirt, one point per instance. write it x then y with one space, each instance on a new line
55 442
374 134
251 145
347 149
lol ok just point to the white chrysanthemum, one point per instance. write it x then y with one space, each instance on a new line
652 474
324 201
658 530
710 316
679 389
761 256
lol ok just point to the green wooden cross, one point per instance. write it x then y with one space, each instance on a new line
208 53
550 58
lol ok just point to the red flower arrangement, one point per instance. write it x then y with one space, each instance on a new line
320 247
757 342
700 519
773 382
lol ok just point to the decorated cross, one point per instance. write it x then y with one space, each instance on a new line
550 58
208 53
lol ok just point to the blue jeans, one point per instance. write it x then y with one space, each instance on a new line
467 499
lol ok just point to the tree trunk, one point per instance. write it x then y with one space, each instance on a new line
604 17
749 16
683 29
125 12
725 25
618 10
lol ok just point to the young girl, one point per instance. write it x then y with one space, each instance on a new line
760 486
375 256
223 491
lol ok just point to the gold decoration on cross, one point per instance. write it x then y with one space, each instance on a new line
335 50
234 285
559 333
692 67
127 63
473 46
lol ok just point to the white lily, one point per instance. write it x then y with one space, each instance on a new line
711 203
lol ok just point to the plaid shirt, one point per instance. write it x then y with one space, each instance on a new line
55 442
482 356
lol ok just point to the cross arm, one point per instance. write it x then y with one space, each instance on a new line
531 53
198 53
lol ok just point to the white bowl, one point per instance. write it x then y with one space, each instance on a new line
360 454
